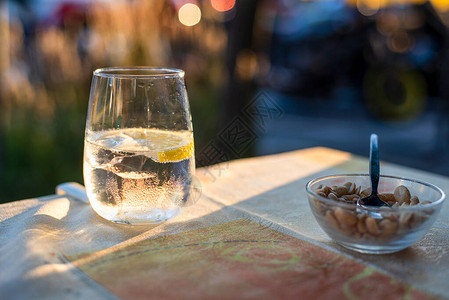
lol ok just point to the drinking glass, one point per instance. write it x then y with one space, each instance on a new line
138 149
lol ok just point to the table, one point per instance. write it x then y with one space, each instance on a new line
251 235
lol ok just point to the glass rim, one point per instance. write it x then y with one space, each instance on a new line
138 72
442 195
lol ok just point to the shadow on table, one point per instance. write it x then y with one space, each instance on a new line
264 244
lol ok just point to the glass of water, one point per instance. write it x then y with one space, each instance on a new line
138 151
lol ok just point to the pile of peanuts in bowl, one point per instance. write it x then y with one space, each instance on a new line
411 211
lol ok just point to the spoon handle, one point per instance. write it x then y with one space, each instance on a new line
374 168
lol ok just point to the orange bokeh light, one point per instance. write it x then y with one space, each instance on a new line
222 5
441 5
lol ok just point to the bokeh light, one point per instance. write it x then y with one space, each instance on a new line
441 5
314 49
368 7
371 7
400 42
222 5
189 14
246 64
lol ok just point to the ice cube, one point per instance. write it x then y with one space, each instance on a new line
139 137
111 140
128 143
129 163
131 167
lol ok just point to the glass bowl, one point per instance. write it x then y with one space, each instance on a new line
373 229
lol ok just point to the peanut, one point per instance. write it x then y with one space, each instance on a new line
319 205
366 192
322 194
405 219
371 225
345 217
332 196
387 227
330 219
387 197
414 200
364 226
325 190
340 191
361 227
351 197
402 194
350 186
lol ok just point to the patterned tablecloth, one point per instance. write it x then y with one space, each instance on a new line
251 235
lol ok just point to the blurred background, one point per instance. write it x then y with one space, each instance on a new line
264 76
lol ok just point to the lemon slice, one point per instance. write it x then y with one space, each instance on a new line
161 145
170 146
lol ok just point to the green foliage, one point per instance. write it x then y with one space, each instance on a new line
40 152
